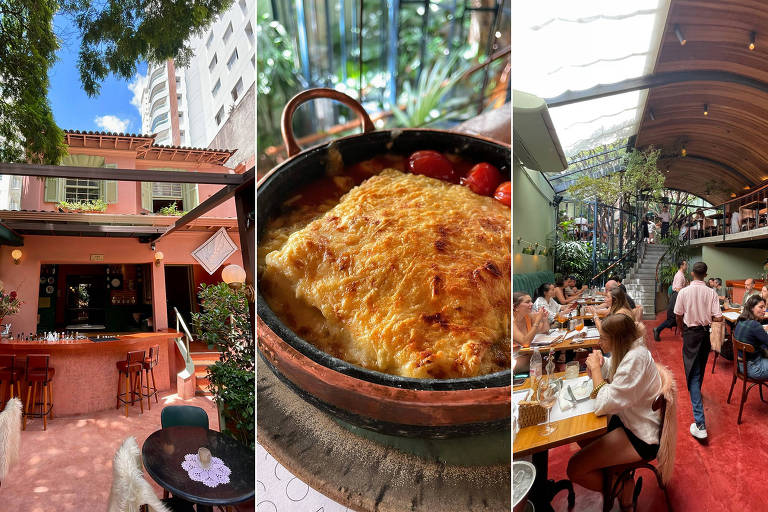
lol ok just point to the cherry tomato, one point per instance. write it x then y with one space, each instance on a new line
482 179
432 164
503 193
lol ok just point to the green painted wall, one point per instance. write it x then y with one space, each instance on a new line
733 264
533 219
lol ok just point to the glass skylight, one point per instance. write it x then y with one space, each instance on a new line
564 45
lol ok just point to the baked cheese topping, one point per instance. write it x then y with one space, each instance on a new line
406 275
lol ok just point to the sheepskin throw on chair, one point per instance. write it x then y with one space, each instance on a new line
10 436
129 489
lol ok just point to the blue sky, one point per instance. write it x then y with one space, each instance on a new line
72 108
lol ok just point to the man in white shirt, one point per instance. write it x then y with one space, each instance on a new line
696 308
678 283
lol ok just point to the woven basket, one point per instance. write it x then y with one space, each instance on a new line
530 413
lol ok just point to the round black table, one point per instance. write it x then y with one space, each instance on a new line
164 451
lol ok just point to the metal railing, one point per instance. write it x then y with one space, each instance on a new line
183 346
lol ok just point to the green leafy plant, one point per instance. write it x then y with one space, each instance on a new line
171 209
573 258
90 205
224 322
424 102
641 173
676 250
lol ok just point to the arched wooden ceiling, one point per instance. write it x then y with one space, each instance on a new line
727 150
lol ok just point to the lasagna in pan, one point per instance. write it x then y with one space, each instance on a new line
406 274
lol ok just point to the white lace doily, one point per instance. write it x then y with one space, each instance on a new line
217 473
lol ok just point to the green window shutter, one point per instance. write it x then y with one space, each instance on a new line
146 195
109 192
54 190
191 198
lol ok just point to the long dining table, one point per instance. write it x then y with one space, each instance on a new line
530 441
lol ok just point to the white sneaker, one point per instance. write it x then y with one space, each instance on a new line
698 433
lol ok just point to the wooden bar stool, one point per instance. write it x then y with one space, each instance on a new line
39 376
132 369
10 373
149 369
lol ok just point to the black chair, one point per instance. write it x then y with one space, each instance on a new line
740 351
183 416
612 489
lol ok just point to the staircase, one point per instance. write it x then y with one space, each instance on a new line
202 357
641 281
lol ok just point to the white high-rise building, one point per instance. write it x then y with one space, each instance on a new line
188 106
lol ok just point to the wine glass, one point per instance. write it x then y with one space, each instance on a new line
547 395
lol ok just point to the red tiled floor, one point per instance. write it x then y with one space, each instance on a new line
723 475
69 466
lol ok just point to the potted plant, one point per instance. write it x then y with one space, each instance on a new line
171 210
89 206
225 324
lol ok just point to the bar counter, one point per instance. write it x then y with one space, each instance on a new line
86 374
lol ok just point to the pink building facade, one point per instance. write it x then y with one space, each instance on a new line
60 247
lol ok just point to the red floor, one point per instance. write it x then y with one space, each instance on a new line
727 474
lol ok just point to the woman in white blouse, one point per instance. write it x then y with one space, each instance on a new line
545 298
625 387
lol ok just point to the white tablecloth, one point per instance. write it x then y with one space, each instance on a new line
278 490
560 412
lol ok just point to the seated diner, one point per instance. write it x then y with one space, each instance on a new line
749 330
545 299
615 303
527 324
561 295
625 385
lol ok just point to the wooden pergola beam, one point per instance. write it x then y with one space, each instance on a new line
248 177
105 173
651 81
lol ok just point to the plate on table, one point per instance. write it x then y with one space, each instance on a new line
581 388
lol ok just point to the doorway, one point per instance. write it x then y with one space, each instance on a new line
178 293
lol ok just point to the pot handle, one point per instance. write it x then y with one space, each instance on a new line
291 146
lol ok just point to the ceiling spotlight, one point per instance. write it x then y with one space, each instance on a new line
747 187
683 152
752 37
706 109
733 194
651 115
679 34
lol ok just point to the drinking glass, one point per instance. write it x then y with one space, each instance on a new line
579 324
571 370
547 395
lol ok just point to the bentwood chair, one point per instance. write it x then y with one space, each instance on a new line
614 476
131 369
39 391
149 371
11 374
740 351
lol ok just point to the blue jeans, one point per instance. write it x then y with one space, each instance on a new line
757 368
695 378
